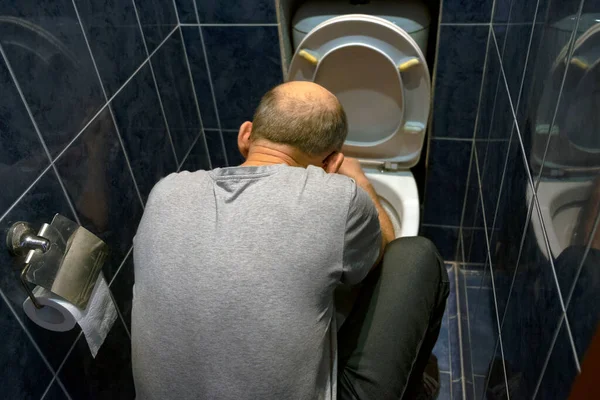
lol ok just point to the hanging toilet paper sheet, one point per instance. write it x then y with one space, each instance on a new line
59 315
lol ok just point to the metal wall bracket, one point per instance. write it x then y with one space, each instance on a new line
61 257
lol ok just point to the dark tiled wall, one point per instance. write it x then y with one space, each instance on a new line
233 49
527 248
100 99
463 35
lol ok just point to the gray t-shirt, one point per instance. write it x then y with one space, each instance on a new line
235 270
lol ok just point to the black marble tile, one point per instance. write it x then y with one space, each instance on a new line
22 157
245 63
24 375
561 369
461 56
55 392
501 11
185 10
102 189
491 158
194 48
231 11
198 158
215 148
47 50
475 245
234 156
122 289
446 181
465 11
38 206
176 93
494 120
515 11
142 127
115 39
473 214
157 18
108 376
445 239
531 316
512 210
495 382
513 43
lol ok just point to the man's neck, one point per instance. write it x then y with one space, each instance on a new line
265 155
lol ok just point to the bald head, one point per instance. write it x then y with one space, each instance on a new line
303 115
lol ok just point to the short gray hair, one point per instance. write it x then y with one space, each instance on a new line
309 123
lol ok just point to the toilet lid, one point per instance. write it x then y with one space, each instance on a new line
380 76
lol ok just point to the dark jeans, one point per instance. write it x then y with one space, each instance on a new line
387 339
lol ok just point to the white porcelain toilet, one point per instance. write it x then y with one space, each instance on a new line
379 74
567 157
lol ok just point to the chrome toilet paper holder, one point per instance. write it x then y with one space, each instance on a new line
62 257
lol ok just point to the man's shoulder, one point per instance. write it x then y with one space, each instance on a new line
177 183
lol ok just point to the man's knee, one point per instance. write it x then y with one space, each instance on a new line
415 256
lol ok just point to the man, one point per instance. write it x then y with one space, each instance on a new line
236 269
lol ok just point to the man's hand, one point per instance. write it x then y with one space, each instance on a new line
352 169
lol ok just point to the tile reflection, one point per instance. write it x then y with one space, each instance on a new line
102 189
46 48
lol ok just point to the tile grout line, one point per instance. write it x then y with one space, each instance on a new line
280 35
184 159
162 109
459 328
489 255
228 24
110 110
27 333
548 355
101 110
59 369
120 265
569 56
212 89
531 182
191 78
37 131
475 126
25 192
48 388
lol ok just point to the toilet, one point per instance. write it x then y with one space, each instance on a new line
373 62
569 163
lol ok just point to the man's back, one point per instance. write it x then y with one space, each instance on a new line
235 270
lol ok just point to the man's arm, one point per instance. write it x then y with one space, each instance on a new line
351 168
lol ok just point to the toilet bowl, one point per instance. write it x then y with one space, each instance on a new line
380 76
561 207
565 150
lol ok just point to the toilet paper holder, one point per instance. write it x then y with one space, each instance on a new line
62 257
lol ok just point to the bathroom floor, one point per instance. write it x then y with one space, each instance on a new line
449 346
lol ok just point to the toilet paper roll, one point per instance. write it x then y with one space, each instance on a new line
59 315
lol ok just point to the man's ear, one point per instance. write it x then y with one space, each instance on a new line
332 163
244 138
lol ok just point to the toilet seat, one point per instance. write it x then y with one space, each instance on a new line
380 76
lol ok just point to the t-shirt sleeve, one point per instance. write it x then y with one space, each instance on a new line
362 239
